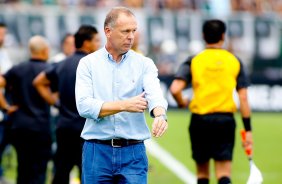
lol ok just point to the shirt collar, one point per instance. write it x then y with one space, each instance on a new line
110 57
79 52
37 60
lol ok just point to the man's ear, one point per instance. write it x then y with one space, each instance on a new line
223 36
107 31
86 43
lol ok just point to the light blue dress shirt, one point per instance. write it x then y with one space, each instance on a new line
100 79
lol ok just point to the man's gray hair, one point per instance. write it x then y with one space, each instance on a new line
112 16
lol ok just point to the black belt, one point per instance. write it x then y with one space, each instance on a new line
116 142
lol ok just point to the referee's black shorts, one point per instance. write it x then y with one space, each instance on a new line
212 136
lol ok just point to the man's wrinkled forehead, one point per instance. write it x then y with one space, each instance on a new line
123 19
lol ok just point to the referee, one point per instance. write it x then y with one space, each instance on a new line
214 75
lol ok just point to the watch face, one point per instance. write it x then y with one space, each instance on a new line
163 116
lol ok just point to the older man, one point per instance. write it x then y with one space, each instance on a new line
114 86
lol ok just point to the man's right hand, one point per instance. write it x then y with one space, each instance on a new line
184 104
136 104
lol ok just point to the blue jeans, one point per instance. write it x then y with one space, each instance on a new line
104 164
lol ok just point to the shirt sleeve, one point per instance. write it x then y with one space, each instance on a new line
152 88
87 105
5 62
242 79
9 77
52 76
184 71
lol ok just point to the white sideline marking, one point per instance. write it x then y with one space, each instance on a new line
170 162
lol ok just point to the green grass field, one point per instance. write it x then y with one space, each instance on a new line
267 133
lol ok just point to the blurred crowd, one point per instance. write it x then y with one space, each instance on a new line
254 6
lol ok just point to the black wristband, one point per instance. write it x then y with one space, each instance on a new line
247 124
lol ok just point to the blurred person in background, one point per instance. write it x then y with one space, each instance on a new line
69 126
29 114
5 62
67 48
252 6
174 4
5 65
114 86
133 3
136 42
214 75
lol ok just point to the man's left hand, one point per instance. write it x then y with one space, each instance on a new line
159 126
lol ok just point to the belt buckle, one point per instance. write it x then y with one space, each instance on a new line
113 144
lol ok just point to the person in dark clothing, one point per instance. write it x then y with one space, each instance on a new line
29 114
61 78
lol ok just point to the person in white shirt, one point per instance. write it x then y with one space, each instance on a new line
5 62
67 46
5 65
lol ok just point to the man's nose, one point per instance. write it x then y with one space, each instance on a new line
131 35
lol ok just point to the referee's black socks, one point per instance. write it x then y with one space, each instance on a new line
224 180
203 181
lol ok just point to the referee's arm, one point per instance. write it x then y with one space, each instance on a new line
176 90
244 104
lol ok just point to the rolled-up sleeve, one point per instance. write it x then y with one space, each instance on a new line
87 105
152 88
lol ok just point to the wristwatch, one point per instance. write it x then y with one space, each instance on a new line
163 116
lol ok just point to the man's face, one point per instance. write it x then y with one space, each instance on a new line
121 36
69 46
2 35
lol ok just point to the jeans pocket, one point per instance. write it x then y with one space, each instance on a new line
88 155
139 154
